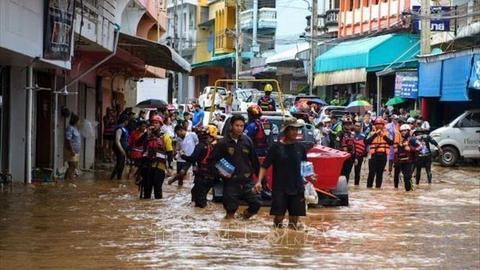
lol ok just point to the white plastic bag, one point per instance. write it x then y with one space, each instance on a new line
86 129
311 196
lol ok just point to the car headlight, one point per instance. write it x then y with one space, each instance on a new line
435 135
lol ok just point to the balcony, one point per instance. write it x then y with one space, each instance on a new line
267 19
331 17
97 32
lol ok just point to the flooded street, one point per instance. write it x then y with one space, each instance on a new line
102 224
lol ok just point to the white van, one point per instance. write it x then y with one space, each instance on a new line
460 138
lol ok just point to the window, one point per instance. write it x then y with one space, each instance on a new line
471 120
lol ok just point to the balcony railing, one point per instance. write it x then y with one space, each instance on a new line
267 19
331 17
97 17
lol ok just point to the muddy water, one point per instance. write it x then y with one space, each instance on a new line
102 224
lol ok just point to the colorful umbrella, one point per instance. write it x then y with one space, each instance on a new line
395 101
359 106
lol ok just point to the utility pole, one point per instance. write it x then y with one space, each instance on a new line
175 47
237 41
313 35
180 87
255 27
425 27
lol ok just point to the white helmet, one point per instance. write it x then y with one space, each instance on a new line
405 127
411 120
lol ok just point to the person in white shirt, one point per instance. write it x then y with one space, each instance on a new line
425 124
186 142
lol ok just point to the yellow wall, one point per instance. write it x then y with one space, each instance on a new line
224 19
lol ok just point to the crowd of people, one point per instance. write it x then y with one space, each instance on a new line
152 146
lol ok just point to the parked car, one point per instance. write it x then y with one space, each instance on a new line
205 98
331 188
460 138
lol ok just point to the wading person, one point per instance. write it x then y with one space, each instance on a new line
404 158
237 149
120 147
379 143
157 147
424 159
72 146
288 187
186 142
360 150
258 130
203 169
346 143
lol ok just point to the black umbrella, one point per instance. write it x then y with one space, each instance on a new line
153 103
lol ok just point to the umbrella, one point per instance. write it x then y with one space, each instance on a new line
153 103
359 106
318 101
395 101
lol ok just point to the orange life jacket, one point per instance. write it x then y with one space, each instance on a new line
379 145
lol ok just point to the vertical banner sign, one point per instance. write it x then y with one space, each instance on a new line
406 84
57 38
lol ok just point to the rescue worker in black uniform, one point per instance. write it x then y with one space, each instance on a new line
404 157
203 170
267 103
237 149
346 142
424 158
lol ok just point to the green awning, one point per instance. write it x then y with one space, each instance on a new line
372 54
217 60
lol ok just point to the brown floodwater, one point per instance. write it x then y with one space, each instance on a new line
100 224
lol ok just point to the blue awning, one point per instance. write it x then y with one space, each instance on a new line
455 76
430 79
372 54
475 74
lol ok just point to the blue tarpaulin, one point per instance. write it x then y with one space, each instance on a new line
456 73
430 79
475 74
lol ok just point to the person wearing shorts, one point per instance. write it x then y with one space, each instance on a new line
287 188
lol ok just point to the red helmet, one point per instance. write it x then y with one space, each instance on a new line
156 119
379 121
254 110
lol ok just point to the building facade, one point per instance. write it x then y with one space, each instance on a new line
91 65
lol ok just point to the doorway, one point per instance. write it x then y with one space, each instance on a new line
43 122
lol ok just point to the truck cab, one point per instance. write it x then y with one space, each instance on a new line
460 138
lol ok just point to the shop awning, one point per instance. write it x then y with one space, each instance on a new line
430 79
455 76
372 54
341 77
288 55
153 54
224 59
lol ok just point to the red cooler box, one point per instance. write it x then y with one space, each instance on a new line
327 164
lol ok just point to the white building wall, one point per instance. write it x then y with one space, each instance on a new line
152 89
17 136
21 28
